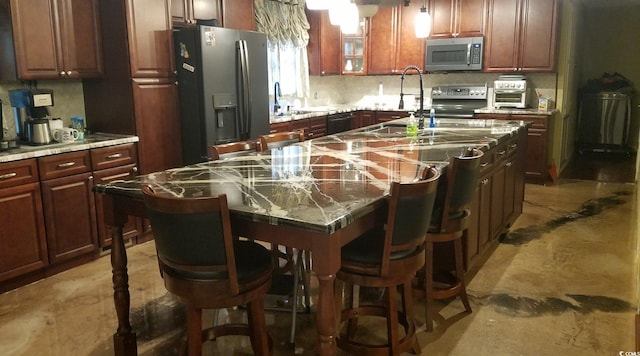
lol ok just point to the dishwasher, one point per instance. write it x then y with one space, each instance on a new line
603 122
339 122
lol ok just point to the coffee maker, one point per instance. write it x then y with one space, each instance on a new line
27 105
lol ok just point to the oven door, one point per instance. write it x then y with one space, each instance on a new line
457 109
509 99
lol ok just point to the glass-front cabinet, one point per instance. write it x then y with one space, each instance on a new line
354 51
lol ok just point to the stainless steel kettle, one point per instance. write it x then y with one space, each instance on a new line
38 131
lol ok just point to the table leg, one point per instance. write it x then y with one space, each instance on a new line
124 340
326 315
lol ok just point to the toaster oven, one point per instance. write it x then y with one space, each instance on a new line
511 93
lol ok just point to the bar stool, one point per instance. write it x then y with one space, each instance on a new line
205 268
280 139
388 257
449 226
232 149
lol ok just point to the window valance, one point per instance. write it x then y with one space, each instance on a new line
284 21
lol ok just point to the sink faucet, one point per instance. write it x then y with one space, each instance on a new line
276 94
401 105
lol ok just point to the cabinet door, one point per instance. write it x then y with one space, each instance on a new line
471 18
384 116
238 14
69 214
503 35
538 37
133 227
536 161
484 212
157 124
381 56
409 49
36 46
208 10
150 38
22 235
81 39
279 127
324 55
181 12
442 18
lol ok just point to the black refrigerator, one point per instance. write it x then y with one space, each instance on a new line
223 87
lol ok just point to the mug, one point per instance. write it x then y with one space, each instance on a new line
78 123
66 135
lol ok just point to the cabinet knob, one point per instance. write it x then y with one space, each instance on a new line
63 73
90 178
69 73
134 169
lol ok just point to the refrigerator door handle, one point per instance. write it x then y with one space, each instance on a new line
245 91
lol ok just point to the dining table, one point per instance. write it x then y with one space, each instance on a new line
315 195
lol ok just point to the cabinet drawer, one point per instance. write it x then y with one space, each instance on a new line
486 161
19 172
113 156
537 122
64 164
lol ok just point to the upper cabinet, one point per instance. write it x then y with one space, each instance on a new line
52 39
521 36
150 39
239 14
188 12
457 18
354 52
392 43
324 55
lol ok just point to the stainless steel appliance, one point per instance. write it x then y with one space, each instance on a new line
38 132
454 54
458 101
511 91
223 87
603 122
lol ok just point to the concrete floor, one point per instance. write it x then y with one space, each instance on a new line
564 281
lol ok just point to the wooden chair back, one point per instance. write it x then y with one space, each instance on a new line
456 191
280 139
406 226
232 149
193 236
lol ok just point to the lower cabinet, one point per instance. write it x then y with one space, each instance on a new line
23 238
51 219
536 170
363 118
313 127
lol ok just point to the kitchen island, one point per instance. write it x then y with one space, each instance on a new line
320 194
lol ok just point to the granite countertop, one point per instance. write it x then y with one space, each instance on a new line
325 183
96 140
311 112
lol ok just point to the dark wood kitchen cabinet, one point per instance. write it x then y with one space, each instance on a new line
391 41
138 55
69 205
457 18
384 116
535 161
109 164
324 55
363 118
521 36
313 127
239 14
53 39
24 247
188 12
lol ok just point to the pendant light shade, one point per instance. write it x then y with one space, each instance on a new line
367 10
336 11
350 19
318 4
423 23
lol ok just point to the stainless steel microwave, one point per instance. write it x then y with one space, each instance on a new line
454 54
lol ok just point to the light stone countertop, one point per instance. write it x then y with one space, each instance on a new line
96 140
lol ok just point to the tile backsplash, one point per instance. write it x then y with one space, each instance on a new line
68 101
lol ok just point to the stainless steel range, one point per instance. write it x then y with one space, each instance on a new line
458 101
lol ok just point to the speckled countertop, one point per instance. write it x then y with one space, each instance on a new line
96 140
306 113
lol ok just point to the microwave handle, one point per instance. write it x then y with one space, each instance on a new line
468 54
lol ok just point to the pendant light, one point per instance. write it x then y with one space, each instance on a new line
336 11
350 19
318 4
423 22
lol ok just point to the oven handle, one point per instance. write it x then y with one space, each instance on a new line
468 54
454 116
508 91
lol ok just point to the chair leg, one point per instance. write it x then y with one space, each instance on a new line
428 286
258 327
352 324
407 306
392 319
194 331
457 244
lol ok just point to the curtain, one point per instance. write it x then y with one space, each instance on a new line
287 29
